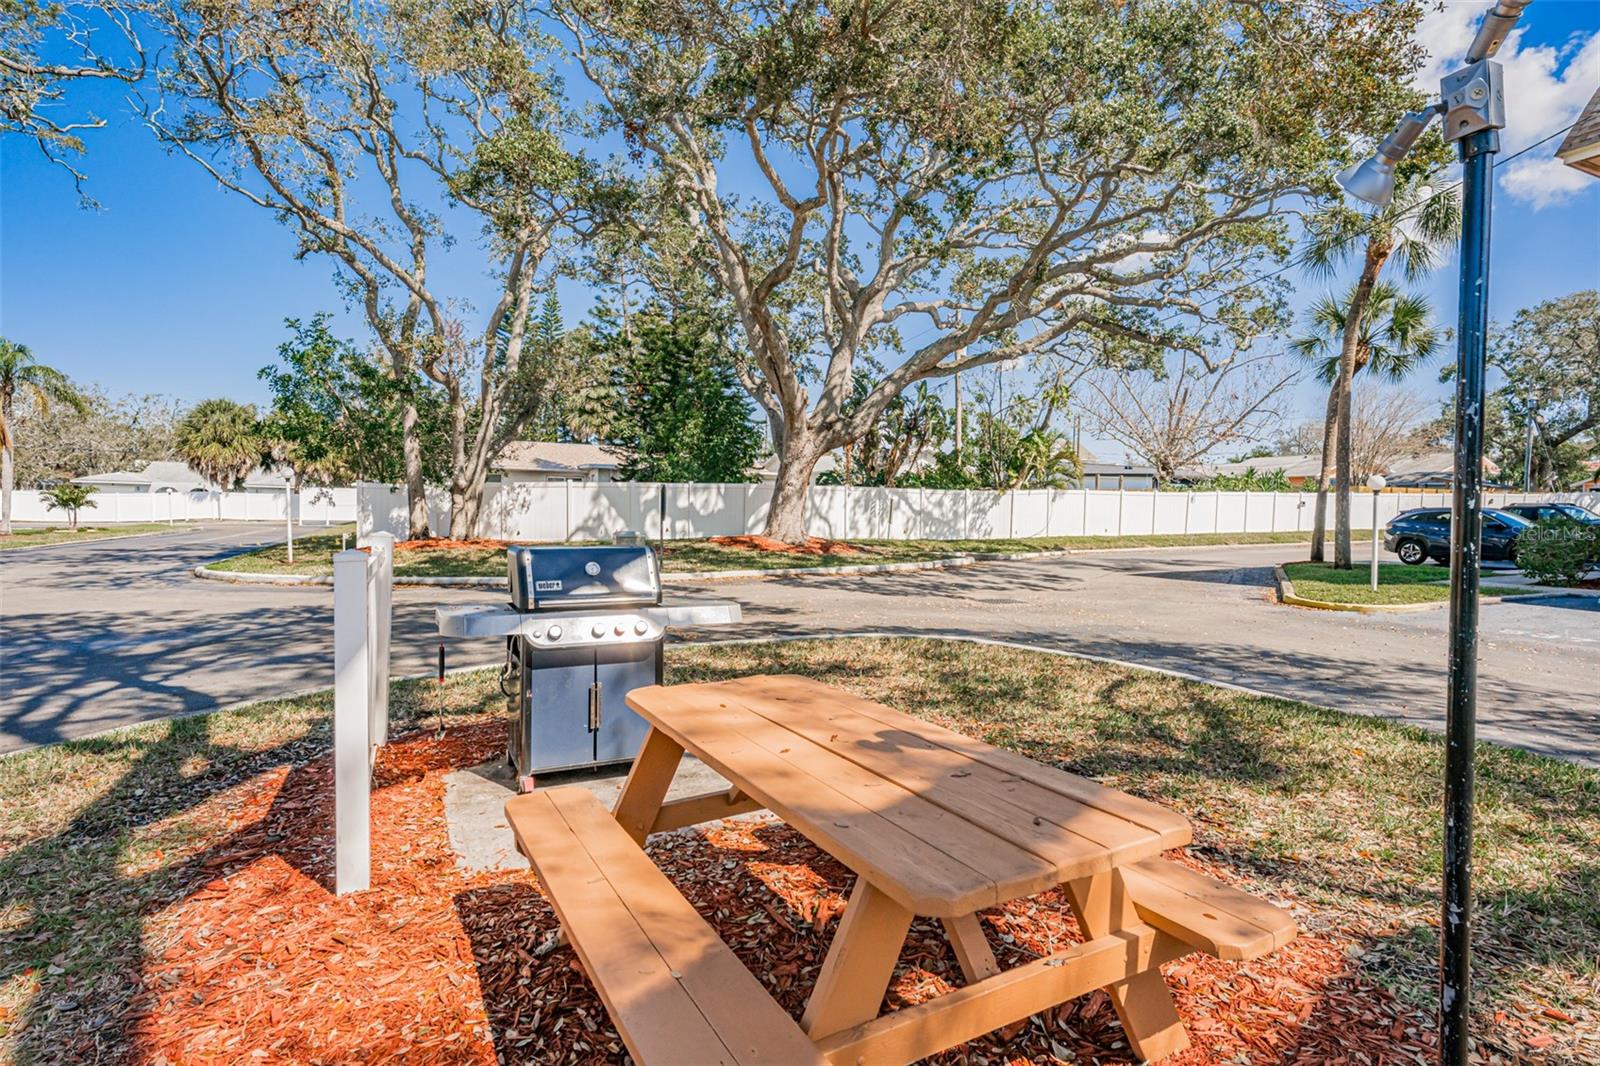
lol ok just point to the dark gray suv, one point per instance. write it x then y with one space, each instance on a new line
1423 534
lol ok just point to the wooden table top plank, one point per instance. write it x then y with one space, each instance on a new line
745 1017
921 877
1076 838
1172 827
1013 868
661 1014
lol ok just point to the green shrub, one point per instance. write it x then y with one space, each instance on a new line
1558 551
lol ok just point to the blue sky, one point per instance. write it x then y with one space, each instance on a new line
178 287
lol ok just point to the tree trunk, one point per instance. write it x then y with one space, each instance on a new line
786 517
1330 432
466 504
416 485
1354 315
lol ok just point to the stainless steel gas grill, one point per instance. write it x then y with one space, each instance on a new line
584 627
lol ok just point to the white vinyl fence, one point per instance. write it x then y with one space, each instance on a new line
363 593
569 510
311 505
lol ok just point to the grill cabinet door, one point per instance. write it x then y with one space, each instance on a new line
555 712
620 669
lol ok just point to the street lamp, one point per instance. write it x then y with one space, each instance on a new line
1377 483
1472 103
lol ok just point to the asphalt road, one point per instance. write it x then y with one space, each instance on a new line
98 635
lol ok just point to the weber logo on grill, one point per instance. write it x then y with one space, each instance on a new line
547 586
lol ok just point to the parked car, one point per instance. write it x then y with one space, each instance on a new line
1545 512
1423 534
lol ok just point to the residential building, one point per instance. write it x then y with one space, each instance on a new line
170 475
540 461
1419 470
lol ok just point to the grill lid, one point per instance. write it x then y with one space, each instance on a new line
574 578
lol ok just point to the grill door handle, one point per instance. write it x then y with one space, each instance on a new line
594 707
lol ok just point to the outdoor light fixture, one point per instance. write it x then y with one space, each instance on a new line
1377 483
1373 180
1472 103
1472 99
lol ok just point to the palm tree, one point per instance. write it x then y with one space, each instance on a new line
221 441
69 498
21 372
1413 231
1397 333
1045 459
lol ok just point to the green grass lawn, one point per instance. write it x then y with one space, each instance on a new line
313 553
1337 813
1397 583
27 538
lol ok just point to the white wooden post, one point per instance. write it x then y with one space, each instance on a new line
352 687
379 609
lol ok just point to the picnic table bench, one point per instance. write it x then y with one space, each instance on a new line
932 822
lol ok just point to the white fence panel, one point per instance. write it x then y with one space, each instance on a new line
1230 512
1102 514
1030 513
1287 511
941 512
695 510
1170 512
1138 513
313 504
1066 513
558 511
827 512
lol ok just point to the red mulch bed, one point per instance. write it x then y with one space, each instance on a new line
446 544
812 546
264 964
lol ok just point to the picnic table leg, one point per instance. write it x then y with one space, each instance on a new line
971 947
647 784
1103 905
860 962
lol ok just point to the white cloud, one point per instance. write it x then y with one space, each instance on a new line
1546 87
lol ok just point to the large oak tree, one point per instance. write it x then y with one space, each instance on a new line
361 125
943 185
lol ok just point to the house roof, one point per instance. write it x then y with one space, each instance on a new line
163 474
1290 465
1437 465
555 457
1580 148
1092 467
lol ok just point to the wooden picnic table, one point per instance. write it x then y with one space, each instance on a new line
934 824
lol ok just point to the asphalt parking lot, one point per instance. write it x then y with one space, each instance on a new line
97 635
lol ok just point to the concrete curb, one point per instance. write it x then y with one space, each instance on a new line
1286 594
245 578
94 540
953 562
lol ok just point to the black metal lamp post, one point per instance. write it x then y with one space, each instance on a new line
1473 105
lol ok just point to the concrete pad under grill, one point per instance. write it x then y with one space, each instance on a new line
475 802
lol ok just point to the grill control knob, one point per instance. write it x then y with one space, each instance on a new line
554 632
619 629
598 631
641 627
